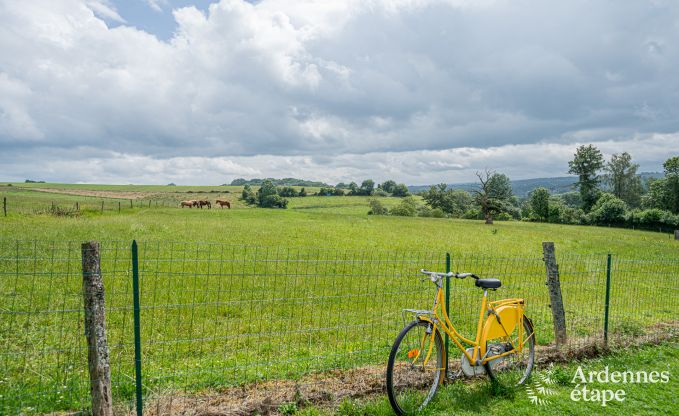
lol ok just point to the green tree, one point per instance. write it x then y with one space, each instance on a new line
388 186
586 163
367 187
664 193
621 176
407 208
400 190
288 192
353 189
453 202
494 194
248 195
302 192
671 166
377 208
539 203
609 209
267 196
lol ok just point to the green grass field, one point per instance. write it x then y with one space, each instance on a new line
479 397
233 296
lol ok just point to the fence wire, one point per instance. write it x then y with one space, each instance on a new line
216 316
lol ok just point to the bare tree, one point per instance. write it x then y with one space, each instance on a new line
494 194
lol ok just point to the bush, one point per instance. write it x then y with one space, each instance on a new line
400 190
608 209
407 208
504 216
376 208
330 192
248 195
380 192
473 214
288 192
273 201
424 211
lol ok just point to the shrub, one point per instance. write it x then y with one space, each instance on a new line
380 192
376 208
504 216
438 213
287 192
400 190
424 211
248 195
608 209
407 208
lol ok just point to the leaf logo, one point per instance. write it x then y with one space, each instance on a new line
538 390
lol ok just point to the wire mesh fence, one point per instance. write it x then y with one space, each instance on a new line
216 316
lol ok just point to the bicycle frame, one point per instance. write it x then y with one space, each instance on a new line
494 325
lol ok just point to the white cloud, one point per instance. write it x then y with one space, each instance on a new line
418 167
341 80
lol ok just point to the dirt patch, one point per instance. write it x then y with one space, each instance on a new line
97 194
328 389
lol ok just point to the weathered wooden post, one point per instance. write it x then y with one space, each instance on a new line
676 232
556 300
95 331
118 206
4 205
130 203
77 206
102 206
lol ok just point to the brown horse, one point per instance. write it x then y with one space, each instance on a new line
222 202
202 203
189 204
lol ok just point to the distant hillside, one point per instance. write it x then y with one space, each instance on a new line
522 187
277 182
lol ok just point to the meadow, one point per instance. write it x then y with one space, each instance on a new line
235 296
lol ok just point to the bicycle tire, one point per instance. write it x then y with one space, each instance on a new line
407 402
502 376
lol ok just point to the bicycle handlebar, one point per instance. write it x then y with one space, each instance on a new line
434 276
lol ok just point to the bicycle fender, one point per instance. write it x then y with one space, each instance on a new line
510 316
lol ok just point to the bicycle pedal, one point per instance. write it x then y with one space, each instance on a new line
453 375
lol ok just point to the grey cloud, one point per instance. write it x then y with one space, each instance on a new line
306 82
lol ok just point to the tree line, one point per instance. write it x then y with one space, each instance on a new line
271 196
606 193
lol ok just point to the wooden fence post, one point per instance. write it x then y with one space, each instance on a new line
676 232
130 203
95 331
556 300
77 206
102 206
4 205
118 206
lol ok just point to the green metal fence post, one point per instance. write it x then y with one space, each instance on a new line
447 305
608 298
137 327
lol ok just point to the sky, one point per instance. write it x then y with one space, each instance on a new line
419 91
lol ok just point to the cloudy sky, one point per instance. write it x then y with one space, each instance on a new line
421 91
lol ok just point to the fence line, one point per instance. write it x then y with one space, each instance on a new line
214 315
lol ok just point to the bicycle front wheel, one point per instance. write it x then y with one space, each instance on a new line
415 368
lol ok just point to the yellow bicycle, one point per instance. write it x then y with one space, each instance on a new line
504 347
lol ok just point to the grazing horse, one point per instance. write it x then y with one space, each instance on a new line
189 204
202 203
223 202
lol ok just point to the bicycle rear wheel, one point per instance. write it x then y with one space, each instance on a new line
513 369
413 373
